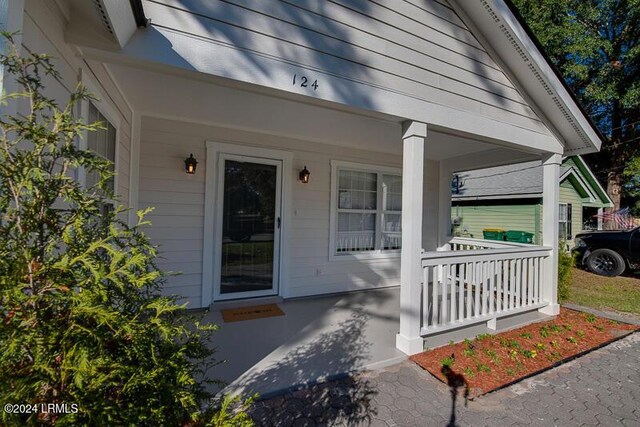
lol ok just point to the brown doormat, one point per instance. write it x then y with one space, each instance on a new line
250 313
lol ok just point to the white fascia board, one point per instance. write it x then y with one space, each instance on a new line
547 72
121 19
526 64
599 188
586 187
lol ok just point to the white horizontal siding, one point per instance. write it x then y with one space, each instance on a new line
178 198
421 49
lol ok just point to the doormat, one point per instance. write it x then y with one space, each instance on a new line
250 313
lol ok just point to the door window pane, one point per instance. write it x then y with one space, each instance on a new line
248 227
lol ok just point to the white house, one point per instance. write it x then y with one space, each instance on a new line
379 101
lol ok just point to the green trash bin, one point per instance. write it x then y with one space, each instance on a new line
494 234
519 236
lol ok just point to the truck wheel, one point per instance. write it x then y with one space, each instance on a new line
606 262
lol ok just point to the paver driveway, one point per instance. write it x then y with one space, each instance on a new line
601 388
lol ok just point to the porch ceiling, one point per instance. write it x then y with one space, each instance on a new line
177 97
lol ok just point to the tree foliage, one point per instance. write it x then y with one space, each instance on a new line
81 317
596 46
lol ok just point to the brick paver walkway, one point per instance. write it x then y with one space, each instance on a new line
601 388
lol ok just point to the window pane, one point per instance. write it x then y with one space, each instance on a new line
392 231
102 142
392 192
357 190
356 232
562 212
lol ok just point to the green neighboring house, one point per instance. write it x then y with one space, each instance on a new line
510 198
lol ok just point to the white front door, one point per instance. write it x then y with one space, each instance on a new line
248 224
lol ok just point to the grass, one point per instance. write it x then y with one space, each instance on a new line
621 294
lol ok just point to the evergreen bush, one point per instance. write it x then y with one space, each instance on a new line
82 320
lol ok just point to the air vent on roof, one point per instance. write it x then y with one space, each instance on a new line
103 15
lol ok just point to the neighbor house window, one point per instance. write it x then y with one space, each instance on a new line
367 209
564 222
101 142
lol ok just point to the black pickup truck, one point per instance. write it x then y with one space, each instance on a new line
609 253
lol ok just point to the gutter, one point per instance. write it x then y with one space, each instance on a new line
138 14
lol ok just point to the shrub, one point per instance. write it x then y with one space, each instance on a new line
566 263
448 362
81 317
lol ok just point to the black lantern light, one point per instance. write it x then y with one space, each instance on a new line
304 175
190 164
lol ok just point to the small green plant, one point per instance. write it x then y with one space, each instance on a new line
468 343
483 337
469 352
493 355
613 322
451 342
544 332
580 334
513 354
448 361
529 354
554 355
526 335
590 318
483 368
514 344
555 344
599 328
540 346
556 328
510 372
568 327
504 342
468 372
572 340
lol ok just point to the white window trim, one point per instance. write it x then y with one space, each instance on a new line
333 213
112 116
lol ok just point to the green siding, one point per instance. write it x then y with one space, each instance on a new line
507 217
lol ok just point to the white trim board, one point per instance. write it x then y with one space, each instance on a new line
214 149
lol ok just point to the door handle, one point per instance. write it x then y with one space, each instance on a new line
279 222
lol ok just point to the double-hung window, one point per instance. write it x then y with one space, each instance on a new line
366 209
564 221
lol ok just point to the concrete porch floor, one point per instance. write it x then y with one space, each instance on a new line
321 338
317 339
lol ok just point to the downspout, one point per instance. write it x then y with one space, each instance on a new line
138 14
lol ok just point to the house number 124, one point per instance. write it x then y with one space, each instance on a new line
303 81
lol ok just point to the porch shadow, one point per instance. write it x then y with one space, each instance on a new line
346 400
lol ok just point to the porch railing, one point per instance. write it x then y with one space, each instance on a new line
479 281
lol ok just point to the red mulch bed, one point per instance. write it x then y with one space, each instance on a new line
490 362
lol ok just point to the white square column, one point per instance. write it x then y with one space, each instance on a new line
408 339
550 234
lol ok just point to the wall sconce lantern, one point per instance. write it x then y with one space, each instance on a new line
190 164
304 175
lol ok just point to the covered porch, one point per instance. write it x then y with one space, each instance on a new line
466 282
322 338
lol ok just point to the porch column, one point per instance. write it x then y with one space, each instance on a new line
408 339
550 200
